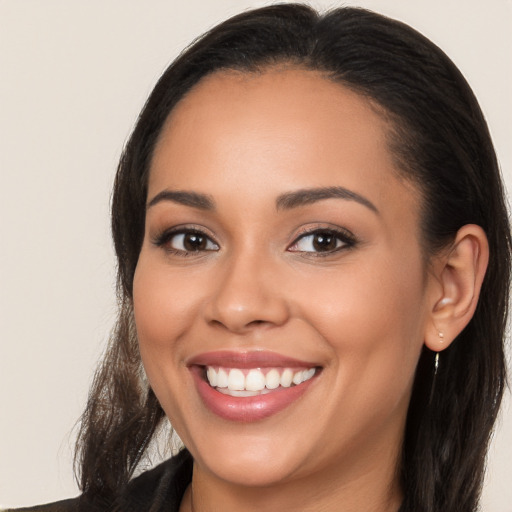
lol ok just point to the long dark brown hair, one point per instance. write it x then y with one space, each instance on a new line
441 142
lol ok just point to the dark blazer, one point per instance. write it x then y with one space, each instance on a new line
160 489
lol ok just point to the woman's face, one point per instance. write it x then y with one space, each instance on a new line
281 245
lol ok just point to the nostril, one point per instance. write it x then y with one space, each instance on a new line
249 325
216 323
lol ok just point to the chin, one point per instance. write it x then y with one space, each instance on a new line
248 459
245 469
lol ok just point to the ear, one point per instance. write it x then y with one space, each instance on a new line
459 273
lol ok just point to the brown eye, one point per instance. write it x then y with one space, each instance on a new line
188 241
194 242
322 241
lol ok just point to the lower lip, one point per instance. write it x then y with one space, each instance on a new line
247 409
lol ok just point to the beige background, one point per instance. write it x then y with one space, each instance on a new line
73 77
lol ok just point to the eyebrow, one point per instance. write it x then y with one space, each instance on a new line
286 201
312 195
186 198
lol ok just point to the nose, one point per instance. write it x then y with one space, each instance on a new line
248 294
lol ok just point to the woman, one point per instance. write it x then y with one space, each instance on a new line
314 259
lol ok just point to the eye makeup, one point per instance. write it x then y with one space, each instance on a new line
317 241
323 241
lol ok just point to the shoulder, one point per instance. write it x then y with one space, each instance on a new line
158 489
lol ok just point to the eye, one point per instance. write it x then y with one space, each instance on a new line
186 241
322 241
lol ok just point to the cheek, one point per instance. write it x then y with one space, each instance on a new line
161 310
372 317
161 305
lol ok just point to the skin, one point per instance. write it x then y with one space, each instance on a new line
361 312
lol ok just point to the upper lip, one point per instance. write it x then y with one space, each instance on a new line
247 359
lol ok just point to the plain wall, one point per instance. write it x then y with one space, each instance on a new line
73 77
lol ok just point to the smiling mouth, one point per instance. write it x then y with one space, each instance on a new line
250 386
243 382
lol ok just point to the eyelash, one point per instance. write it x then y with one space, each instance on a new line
164 239
346 238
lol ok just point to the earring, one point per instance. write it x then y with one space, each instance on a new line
440 334
432 388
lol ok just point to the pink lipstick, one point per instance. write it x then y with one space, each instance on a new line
250 386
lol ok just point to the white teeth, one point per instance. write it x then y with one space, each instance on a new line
236 380
222 379
309 373
286 378
273 379
212 377
243 393
298 378
255 381
236 383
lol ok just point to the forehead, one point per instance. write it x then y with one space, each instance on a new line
291 127
283 97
